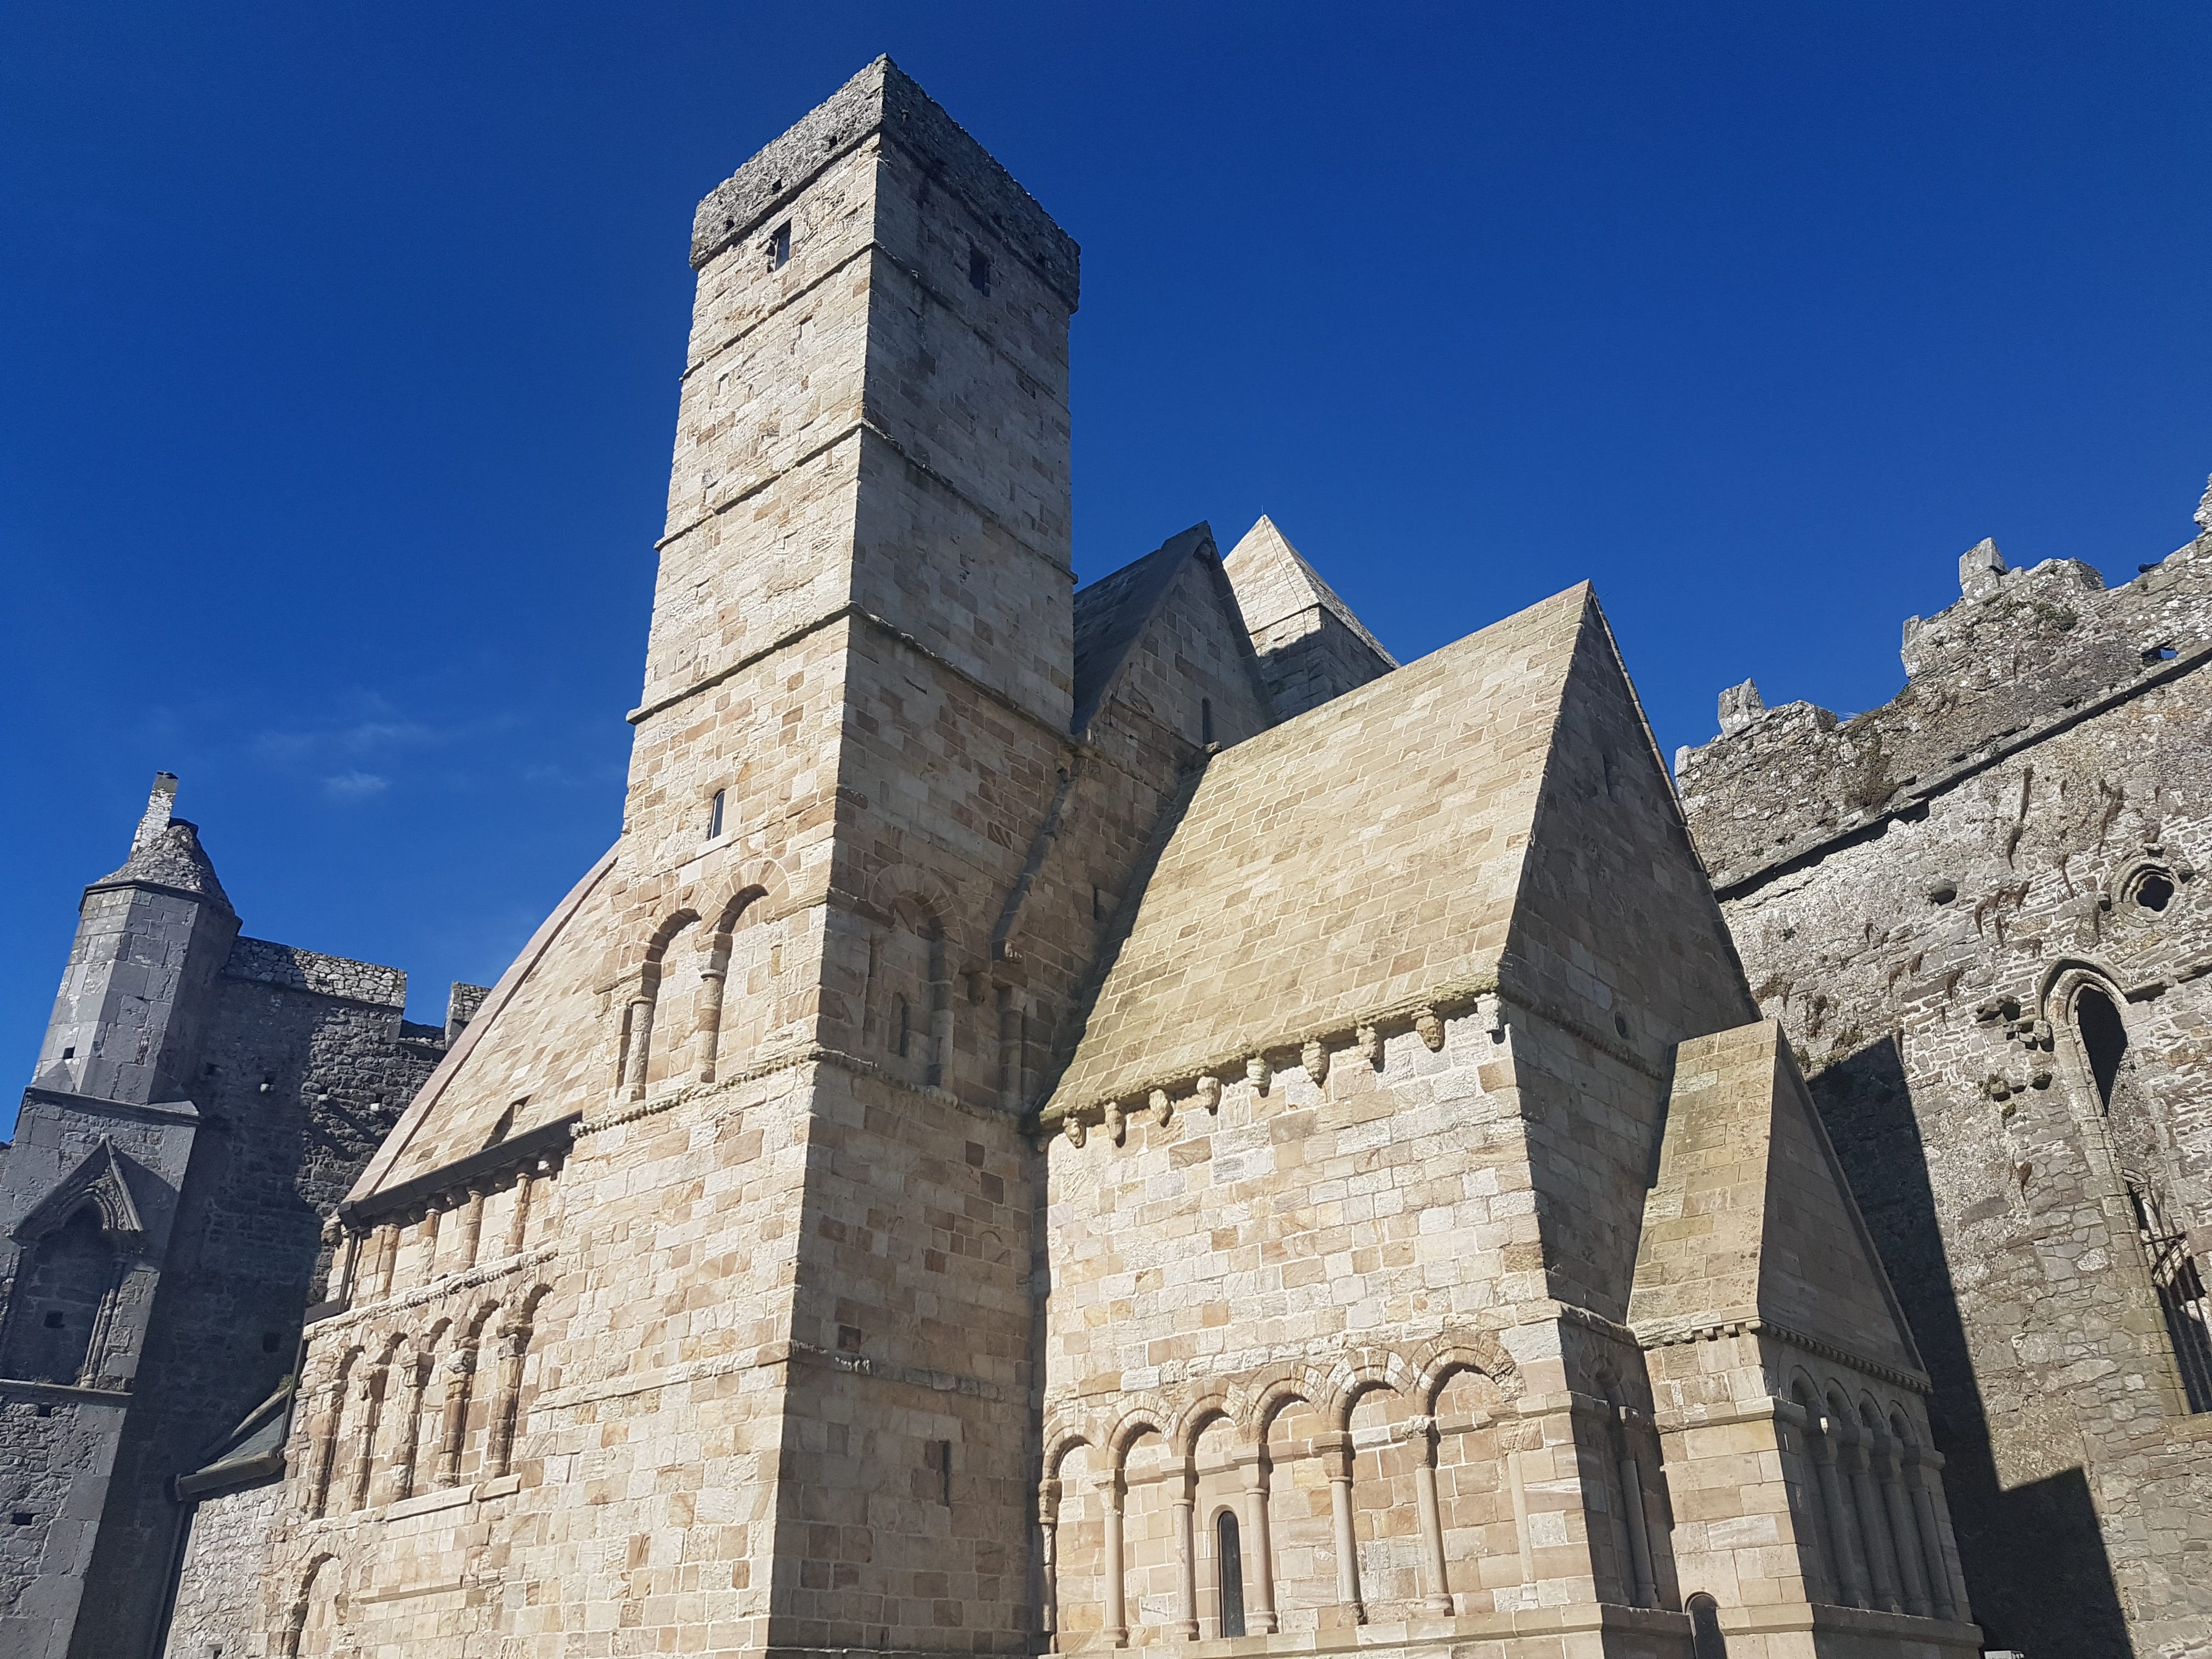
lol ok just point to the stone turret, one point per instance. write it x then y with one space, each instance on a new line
151 939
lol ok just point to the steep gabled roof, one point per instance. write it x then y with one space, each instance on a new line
501 1059
1751 1219
1355 859
1112 612
1274 581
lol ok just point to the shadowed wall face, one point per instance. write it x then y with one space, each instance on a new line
1977 913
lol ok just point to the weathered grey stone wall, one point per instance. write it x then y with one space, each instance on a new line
220 1588
298 1086
233 1088
1924 895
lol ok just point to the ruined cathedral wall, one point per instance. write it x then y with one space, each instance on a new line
1932 975
2020 651
1933 897
1282 1265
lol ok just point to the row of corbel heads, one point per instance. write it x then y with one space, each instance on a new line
1315 1055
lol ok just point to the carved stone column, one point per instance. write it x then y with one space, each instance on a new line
1337 1449
1186 1557
641 1043
472 1231
1421 1436
1843 1545
415 1380
1942 1559
518 1222
368 1397
1116 1627
453 1429
323 1444
1905 1530
506 1400
1048 1534
388 1257
1858 1458
709 1035
1260 1579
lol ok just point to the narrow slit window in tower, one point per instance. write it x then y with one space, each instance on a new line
1206 720
779 247
979 270
714 815
902 1035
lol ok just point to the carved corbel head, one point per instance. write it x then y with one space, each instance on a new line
1163 1108
1209 1092
1369 1041
1314 1058
1258 1074
1071 1126
1117 1121
1430 1027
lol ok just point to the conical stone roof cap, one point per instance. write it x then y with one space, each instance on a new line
171 857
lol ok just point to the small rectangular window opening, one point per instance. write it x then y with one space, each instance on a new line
45 1411
1206 720
715 816
2159 653
979 270
944 1449
68 1052
1097 904
21 1518
779 247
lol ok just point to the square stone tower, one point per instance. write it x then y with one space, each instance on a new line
698 1281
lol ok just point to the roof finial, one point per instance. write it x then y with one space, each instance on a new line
159 806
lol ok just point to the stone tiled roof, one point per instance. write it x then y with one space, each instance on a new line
1357 858
1111 613
1274 581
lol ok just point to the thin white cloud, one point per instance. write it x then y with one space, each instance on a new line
355 786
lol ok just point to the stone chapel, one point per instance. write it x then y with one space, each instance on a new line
1075 1121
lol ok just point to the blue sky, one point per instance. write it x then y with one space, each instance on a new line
340 347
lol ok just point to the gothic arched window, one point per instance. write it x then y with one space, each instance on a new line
2104 1039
